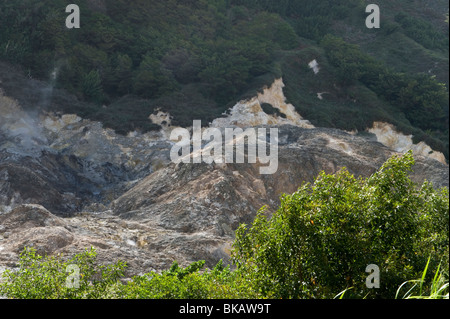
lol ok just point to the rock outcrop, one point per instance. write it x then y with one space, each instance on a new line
65 163
399 142
250 113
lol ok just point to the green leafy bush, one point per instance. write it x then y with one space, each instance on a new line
324 235
48 277
174 283
437 288
190 283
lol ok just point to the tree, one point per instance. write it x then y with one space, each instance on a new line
121 77
92 86
151 79
323 236
345 57
424 101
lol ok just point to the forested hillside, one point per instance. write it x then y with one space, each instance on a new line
197 58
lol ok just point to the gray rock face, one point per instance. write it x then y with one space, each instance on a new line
210 201
65 163
84 186
29 216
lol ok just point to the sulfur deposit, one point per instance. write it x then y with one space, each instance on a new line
399 142
250 113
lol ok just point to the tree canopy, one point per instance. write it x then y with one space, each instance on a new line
195 59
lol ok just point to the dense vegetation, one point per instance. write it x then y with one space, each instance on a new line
197 58
324 235
316 245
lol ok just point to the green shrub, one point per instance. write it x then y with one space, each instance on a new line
48 277
190 283
92 87
323 236
175 283
436 288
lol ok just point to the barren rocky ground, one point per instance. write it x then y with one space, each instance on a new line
67 184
